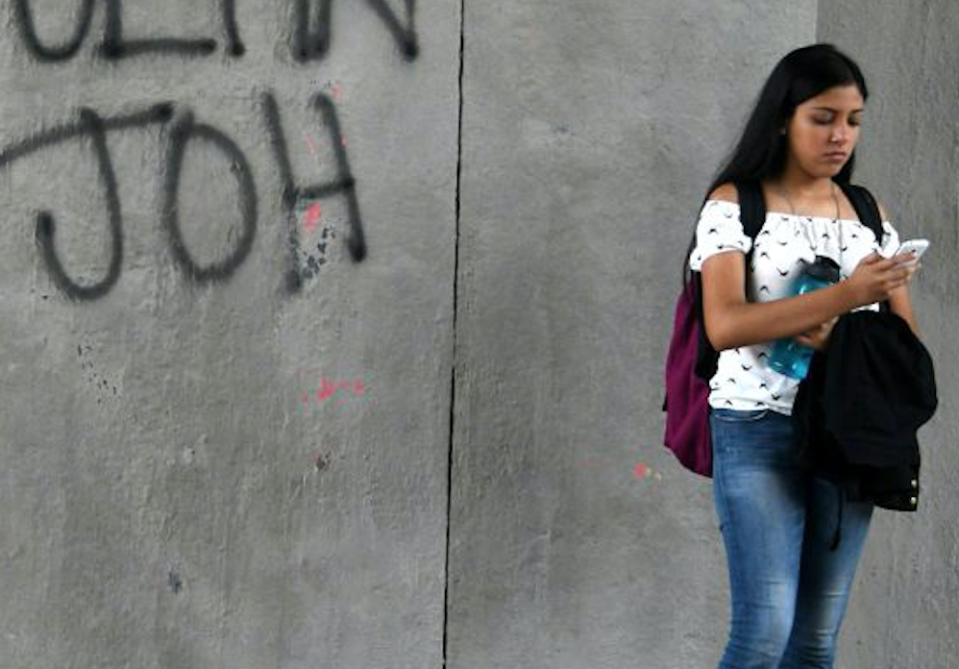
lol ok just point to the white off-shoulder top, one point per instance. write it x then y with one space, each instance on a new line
785 242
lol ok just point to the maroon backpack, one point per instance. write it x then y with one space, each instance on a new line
691 360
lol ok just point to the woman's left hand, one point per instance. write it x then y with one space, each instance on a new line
818 337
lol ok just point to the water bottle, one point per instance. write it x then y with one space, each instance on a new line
788 356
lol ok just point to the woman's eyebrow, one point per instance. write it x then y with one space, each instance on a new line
834 110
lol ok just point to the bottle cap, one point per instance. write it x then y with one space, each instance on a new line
824 269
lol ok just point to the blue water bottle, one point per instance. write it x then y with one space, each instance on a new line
788 356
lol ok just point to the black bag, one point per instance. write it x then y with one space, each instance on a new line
889 479
857 412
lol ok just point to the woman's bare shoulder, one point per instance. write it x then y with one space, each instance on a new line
725 193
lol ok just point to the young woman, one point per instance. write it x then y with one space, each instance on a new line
788 589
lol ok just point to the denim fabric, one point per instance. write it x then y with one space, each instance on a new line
788 589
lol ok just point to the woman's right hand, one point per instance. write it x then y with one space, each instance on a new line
875 277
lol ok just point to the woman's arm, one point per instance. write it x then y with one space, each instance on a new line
901 305
899 302
731 321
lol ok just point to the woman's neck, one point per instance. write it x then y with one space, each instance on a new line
802 186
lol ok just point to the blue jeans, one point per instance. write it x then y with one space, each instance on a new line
788 589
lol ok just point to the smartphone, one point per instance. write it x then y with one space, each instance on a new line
915 246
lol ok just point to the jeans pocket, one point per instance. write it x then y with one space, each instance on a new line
739 416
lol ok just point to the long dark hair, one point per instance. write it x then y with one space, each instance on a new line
760 152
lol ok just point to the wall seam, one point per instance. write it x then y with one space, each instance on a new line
449 462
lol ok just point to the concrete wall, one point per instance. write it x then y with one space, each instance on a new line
206 465
591 131
373 379
906 604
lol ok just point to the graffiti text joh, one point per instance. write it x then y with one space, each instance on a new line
181 129
310 41
310 34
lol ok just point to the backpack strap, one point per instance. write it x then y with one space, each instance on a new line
869 215
752 214
752 208
866 208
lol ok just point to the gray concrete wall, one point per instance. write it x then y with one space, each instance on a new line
416 418
591 131
205 467
906 604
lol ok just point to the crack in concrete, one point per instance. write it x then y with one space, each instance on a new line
449 464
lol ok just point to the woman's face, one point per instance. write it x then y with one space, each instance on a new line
822 132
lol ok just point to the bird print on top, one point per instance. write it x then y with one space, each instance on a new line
783 246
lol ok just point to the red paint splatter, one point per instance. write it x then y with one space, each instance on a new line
311 216
325 391
329 387
641 471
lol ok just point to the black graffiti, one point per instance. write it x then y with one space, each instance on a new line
115 46
234 43
405 37
291 193
310 35
23 16
184 131
312 20
90 125
181 132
